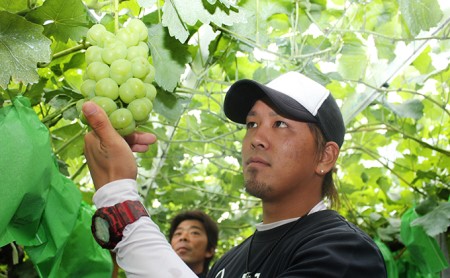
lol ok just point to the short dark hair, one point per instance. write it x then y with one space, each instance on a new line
211 228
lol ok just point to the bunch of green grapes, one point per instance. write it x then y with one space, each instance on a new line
119 75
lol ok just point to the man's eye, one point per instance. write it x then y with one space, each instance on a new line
280 124
251 125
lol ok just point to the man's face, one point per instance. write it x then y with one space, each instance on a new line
278 155
190 242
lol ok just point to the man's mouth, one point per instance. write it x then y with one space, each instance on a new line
255 161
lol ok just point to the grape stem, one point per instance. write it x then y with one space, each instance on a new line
116 15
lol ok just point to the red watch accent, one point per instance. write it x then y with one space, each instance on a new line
118 217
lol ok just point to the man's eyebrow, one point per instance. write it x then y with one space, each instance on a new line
253 113
189 227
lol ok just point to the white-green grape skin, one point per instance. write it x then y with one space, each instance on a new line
122 120
140 67
140 109
87 88
121 70
93 54
97 70
107 87
114 51
106 103
118 75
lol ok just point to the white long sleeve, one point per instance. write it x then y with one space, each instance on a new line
143 250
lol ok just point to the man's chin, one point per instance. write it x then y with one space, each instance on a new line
256 188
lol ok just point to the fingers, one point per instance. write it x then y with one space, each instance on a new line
139 142
99 121
102 128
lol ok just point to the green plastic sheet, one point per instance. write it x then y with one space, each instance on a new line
389 260
423 249
26 172
41 208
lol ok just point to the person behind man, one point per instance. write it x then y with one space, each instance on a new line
294 134
193 235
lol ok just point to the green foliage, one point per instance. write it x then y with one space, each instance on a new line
22 46
385 61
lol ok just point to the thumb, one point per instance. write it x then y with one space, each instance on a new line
98 120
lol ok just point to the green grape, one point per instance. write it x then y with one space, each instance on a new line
95 34
150 77
140 108
121 70
93 54
87 88
79 104
137 51
108 38
106 103
128 37
121 118
127 130
132 89
138 86
144 45
107 87
83 118
97 71
114 51
150 91
138 27
140 67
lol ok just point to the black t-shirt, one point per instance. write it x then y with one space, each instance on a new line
322 244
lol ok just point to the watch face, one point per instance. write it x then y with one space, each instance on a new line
101 229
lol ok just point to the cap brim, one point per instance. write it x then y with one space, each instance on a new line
243 94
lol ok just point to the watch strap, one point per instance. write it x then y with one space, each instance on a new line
118 217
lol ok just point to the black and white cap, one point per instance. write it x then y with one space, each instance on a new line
295 96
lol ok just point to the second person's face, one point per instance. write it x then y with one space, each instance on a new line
190 242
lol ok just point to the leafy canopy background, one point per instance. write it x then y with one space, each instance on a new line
386 62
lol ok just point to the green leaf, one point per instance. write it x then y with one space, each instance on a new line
179 13
354 59
169 57
420 14
409 109
22 46
169 105
13 6
435 222
62 20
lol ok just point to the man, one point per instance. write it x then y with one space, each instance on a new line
294 134
193 235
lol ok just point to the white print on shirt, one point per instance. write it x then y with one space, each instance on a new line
221 274
247 275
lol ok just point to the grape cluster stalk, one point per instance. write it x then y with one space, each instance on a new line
119 76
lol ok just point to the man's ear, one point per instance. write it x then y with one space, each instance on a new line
327 158
210 253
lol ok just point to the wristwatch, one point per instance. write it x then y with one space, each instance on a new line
108 222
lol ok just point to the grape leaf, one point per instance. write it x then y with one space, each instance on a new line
178 13
435 222
63 20
13 6
420 14
22 46
169 57
408 109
